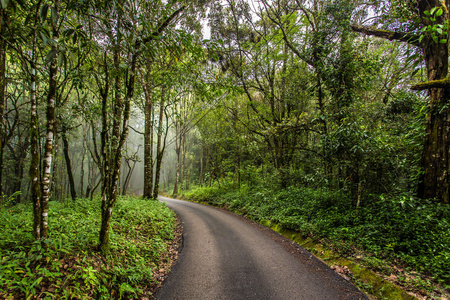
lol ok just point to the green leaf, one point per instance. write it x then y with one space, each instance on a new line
50 56
61 59
427 13
439 30
54 16
44 38
433 10
43 14
432 19
69 32
443 41
5 3
439 12
52 41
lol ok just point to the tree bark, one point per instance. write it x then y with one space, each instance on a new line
48 150
200 176
2 92
148 138
434 182
83 156
73 192
183 158
159 146
390 35
177 153
119 136
34 139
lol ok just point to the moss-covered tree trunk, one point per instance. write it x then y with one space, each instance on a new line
434 182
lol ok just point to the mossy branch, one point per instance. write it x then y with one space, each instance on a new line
441 83
386 34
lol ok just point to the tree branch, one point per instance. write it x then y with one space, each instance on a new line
161 28
440 83
386 34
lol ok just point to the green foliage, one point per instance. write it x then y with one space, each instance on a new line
398 229
437 32
69 267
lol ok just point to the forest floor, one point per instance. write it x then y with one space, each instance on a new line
145 240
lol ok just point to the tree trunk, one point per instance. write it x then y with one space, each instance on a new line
2 93
73 192
177 152
34 140
435 161
34 151
126 183
200 177
148 139
183 158
119 136
159 146
111 159
83 156
434 182
48 150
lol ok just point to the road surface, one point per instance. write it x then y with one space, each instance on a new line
225 256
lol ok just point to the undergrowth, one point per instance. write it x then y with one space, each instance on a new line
70 267
387 233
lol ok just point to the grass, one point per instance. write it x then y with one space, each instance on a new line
69 267
401 237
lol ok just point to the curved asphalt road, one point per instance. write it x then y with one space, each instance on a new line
225 257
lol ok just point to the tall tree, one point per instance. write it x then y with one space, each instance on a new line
148 134
432 18
126 44
50 114
3 14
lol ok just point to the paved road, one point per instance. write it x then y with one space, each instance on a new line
227 257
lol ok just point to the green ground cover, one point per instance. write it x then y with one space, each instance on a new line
70 268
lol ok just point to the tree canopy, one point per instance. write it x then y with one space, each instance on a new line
109 97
